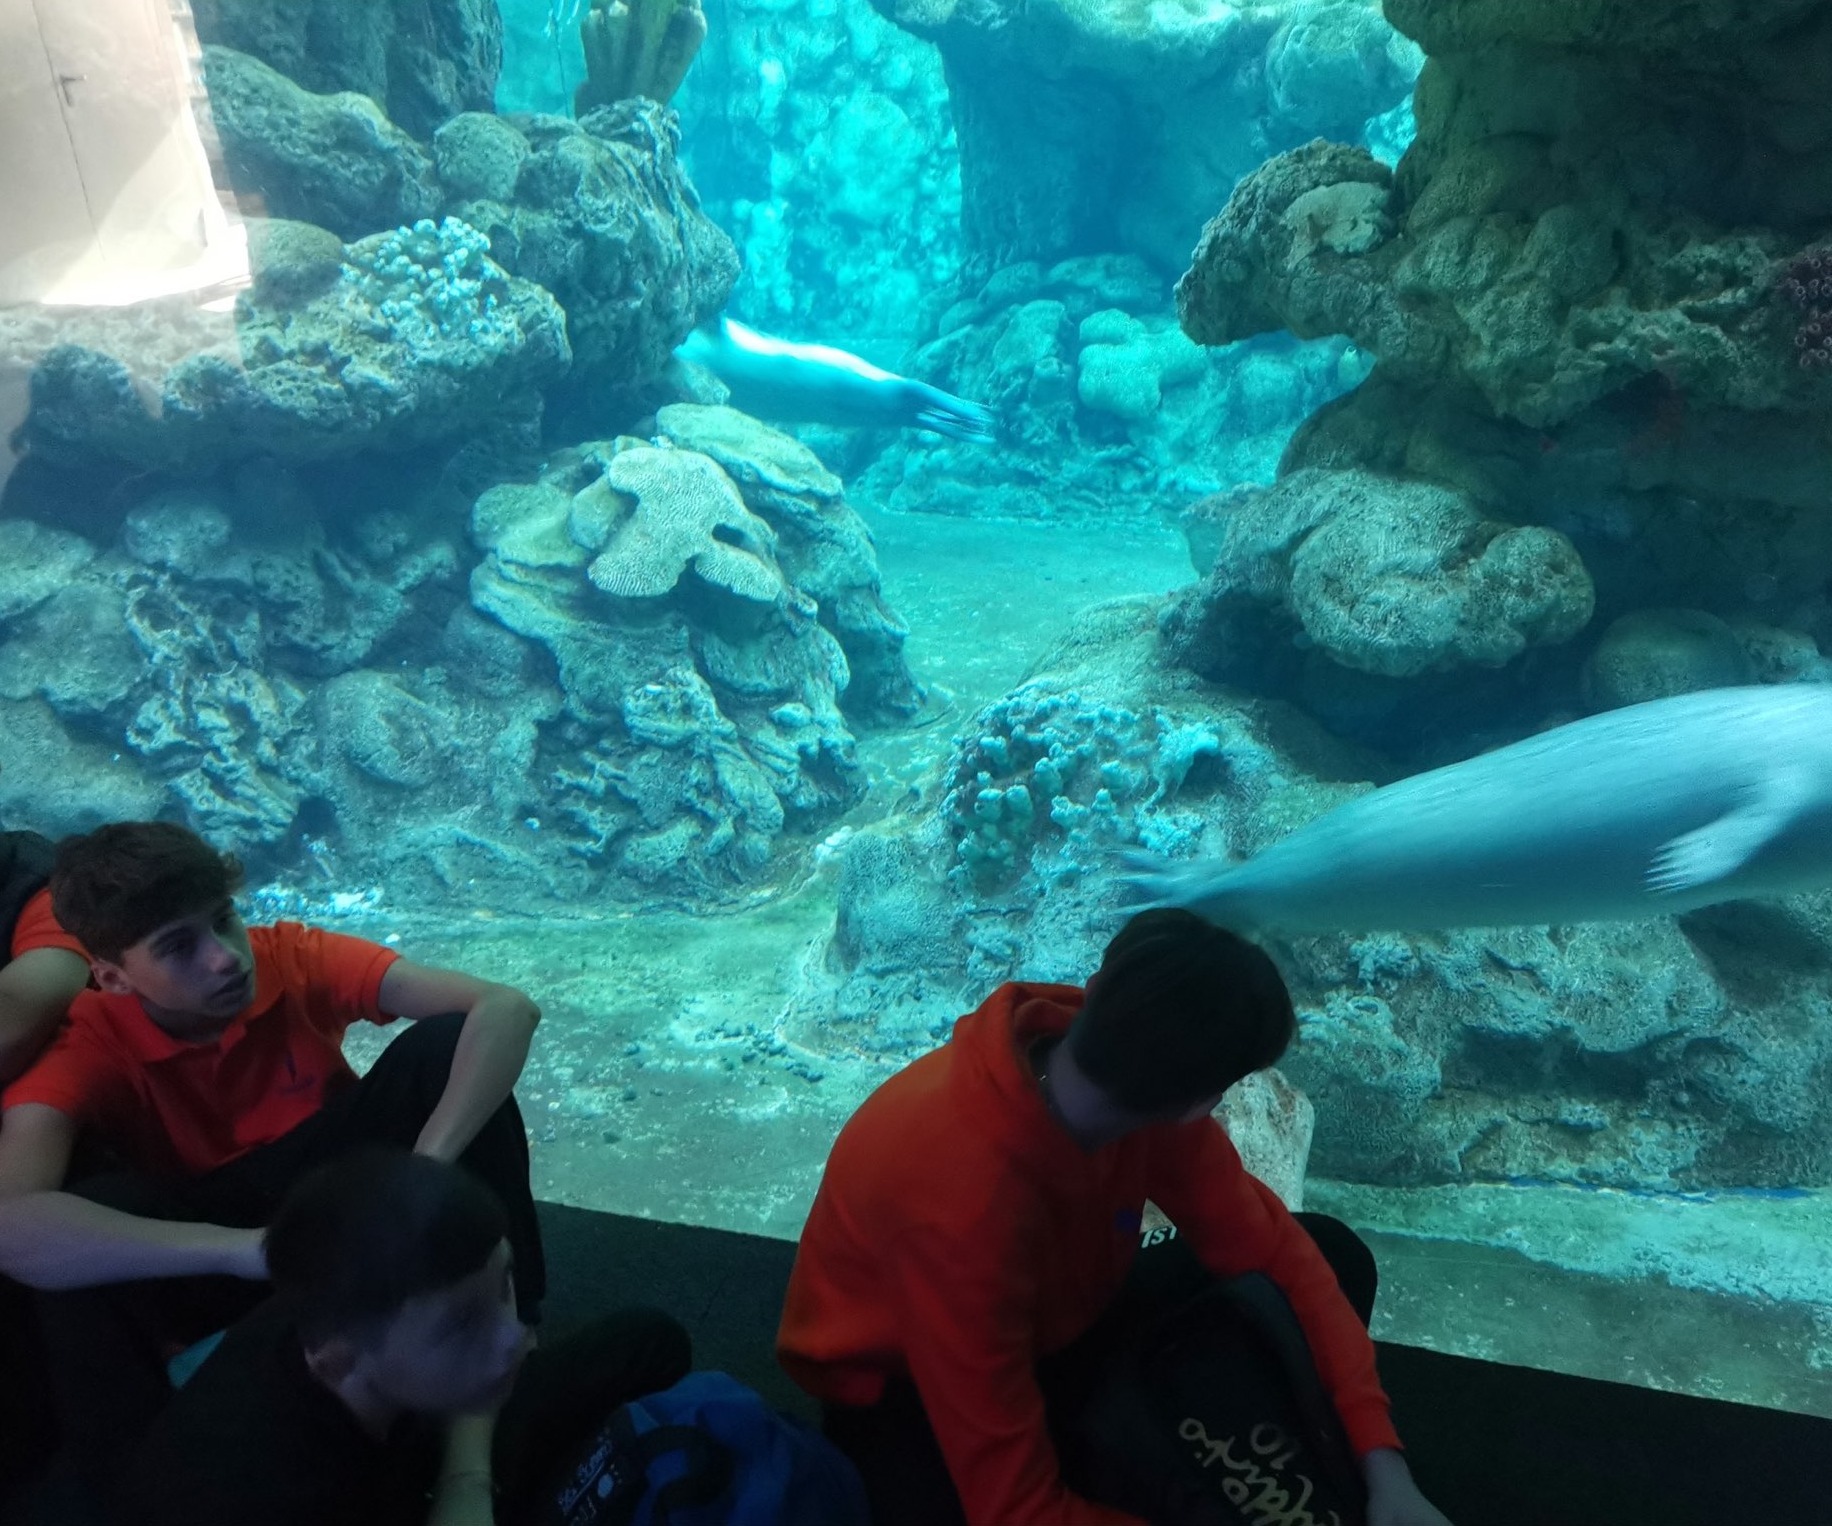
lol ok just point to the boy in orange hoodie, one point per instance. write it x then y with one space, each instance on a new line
982 1210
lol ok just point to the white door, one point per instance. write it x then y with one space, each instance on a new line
106 90
45 223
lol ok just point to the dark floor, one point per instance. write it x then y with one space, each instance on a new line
1491 1445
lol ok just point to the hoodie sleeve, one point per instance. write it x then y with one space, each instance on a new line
1236 1224
970 1350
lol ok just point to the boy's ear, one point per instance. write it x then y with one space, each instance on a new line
111 977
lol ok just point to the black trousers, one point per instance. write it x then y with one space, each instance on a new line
27 1432
895 1450
107 1346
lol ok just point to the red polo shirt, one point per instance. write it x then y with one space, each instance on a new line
38 927
169 1106
959 1234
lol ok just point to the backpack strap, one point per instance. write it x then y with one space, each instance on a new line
1263 1304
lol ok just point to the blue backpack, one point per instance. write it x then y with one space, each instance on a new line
707 1452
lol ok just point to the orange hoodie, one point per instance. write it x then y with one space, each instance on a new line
959 1234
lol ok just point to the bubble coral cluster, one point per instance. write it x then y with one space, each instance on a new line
1046 764
1807 284
433 281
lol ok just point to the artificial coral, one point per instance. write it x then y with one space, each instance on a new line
637 48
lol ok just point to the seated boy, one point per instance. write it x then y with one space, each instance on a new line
209 1063
982 1209
367 1390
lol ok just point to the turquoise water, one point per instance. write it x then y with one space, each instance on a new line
356 512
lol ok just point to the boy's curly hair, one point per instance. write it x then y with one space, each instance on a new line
1179 1011
113 886
357 1238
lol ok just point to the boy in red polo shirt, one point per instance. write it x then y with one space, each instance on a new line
981 1211
209 1062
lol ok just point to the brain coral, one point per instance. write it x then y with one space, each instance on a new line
687 514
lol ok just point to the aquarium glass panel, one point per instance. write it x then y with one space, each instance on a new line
757 521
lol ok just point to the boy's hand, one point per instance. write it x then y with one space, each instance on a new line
1393 1498
245 1254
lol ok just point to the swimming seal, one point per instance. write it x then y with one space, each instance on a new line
1646 811
777 379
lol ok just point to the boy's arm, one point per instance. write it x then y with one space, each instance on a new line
1235 1224
492 1047
969 1353
466 1490
36 989
53 1239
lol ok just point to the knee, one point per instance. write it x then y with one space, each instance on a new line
428 1043
670 1346
1349 1257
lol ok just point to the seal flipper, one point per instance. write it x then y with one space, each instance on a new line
1721 847
1151 881
1201 885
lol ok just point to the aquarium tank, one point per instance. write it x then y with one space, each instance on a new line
498 467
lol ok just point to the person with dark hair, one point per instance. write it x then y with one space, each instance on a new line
209 1063
390 1380
981 1212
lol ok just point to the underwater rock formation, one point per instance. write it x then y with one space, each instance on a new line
1653 653
1104 407
1092 126
824 549
334 160
1576 291
702 684
1379 574
479 155
601 214
645 686
413 334
1332 65
812 123
190 649
1271 1123
1126 364
420 337
421 61
1651 1054
598 211
1100 748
